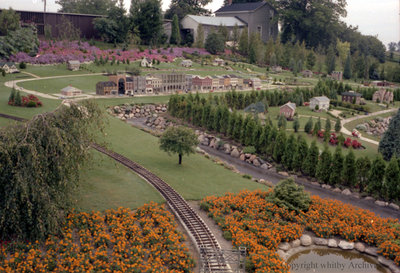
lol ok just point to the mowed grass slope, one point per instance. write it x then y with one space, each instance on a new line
106 184
196 178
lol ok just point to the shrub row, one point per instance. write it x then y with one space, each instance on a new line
292 152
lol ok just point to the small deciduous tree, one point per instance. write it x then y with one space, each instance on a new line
214 43
178 140
289 195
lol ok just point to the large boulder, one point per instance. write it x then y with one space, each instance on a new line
305 240
256 162
332 243
284 246
346 245
359 246
242 157
235 153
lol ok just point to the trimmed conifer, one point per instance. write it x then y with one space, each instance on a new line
337 167
301 153
279 147
390 142
324 166
392 179
349 170
311 161
376 176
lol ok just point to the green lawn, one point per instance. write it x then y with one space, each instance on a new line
196 178
5 122
53 86
48 104
109 185
52 70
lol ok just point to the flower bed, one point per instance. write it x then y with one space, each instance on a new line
118 241
26 101
63 51
251 221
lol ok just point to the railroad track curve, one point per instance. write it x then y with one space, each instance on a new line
199 232
204 240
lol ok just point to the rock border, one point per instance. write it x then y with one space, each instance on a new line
288 249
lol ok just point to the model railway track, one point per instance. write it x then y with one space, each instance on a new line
199 232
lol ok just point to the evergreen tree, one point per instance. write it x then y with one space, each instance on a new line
206 115
363 166
244 42
309 125
249 131
279 147
244 127
11 98
257 134
296 125
317 127
390 142
347 68
328 125
376 176
217 118
311 161
271 140
282 122
175 32
211 119
18 100
337 167
392 179
301 153
224 121
330 59
311 60
238 127
338 125
349 170
324 166
263 141
199 42
288 157
231 124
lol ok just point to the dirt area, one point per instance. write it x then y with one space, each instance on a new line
336 112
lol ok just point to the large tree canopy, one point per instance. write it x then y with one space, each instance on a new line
86 6
9 21
147 16
40 163
183 7
312 21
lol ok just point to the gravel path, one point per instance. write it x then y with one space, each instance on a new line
274 177
347 132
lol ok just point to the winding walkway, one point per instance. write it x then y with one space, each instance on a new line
14 84
347 132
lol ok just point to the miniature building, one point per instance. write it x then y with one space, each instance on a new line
234 81
276 69
146 62
74 65
70 91
215 85
255 83
9 67
352 97
153 85
288 110
174 82
307 73
186 63
382 95
381 83
218 62
337 75
106 88
202 83
322 103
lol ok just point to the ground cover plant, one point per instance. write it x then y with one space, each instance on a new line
145 240
252 220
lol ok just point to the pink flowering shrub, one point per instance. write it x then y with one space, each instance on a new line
63 51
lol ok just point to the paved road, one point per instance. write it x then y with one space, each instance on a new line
274 177
344 121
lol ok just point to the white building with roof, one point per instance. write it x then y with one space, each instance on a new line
210 24
322 102
71 91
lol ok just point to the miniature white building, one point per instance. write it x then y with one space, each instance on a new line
322 102
9 67
70 91
73 65
146 62
186 63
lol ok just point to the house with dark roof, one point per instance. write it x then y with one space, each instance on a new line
9 67
106 88
352 97
259 17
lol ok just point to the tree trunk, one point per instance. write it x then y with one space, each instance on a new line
180 159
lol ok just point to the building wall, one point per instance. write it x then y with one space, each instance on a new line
262 17
82 21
